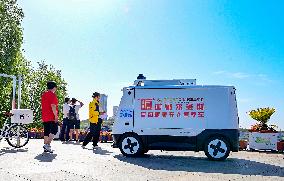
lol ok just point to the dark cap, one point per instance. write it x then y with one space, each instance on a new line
51 84
73 100
96 94
67 99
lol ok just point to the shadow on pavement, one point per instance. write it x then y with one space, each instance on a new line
199 164
99 150
72 143
6 150
46 157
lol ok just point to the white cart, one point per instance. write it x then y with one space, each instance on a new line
14 129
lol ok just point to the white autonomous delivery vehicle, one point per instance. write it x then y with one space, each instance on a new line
177 115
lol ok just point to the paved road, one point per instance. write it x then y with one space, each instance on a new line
71 162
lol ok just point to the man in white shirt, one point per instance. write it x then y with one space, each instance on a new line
65 122
74 119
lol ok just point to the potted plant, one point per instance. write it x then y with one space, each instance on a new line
262 136
243 143
262 116
82 135
280 143
32 132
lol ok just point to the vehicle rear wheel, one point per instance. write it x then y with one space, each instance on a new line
217 148
131 145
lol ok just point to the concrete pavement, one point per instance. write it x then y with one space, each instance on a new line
71 162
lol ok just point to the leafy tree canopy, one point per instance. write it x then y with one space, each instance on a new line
11 35
12 62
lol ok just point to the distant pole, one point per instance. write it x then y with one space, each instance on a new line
19 91
14 93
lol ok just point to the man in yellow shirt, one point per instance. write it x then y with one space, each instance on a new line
95 121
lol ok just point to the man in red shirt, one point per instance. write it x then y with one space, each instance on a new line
49 107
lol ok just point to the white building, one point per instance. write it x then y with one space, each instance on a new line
115 110
103 102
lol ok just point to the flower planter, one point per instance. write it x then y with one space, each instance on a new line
280 146
82 136
243 144
37 135
263 141
103 138
109 137
32 134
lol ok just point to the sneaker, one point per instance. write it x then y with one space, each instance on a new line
47 148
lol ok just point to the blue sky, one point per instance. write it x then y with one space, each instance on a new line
103 46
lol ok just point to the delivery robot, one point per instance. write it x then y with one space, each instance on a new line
177 115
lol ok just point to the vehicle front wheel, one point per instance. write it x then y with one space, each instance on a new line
131 145
217 148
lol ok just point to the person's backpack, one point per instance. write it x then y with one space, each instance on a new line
72 113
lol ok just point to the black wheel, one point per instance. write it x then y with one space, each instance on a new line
217 148
131 145
18 136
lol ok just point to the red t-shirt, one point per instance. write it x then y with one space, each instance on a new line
48 98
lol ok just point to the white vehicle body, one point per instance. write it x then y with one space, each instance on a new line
177 115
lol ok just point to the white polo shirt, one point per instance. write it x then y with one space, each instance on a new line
66 109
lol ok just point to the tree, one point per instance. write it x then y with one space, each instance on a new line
12 62
36 84
11 38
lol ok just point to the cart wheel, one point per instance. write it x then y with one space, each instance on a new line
217 148
18 136
131 145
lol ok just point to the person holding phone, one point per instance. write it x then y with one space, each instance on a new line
95 121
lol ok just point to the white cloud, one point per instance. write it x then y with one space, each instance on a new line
126 9
243 100
239 75
242 75
219 72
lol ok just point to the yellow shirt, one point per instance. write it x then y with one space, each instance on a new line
94 111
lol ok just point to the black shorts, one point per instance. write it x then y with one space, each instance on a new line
77 124
74 123
50 127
